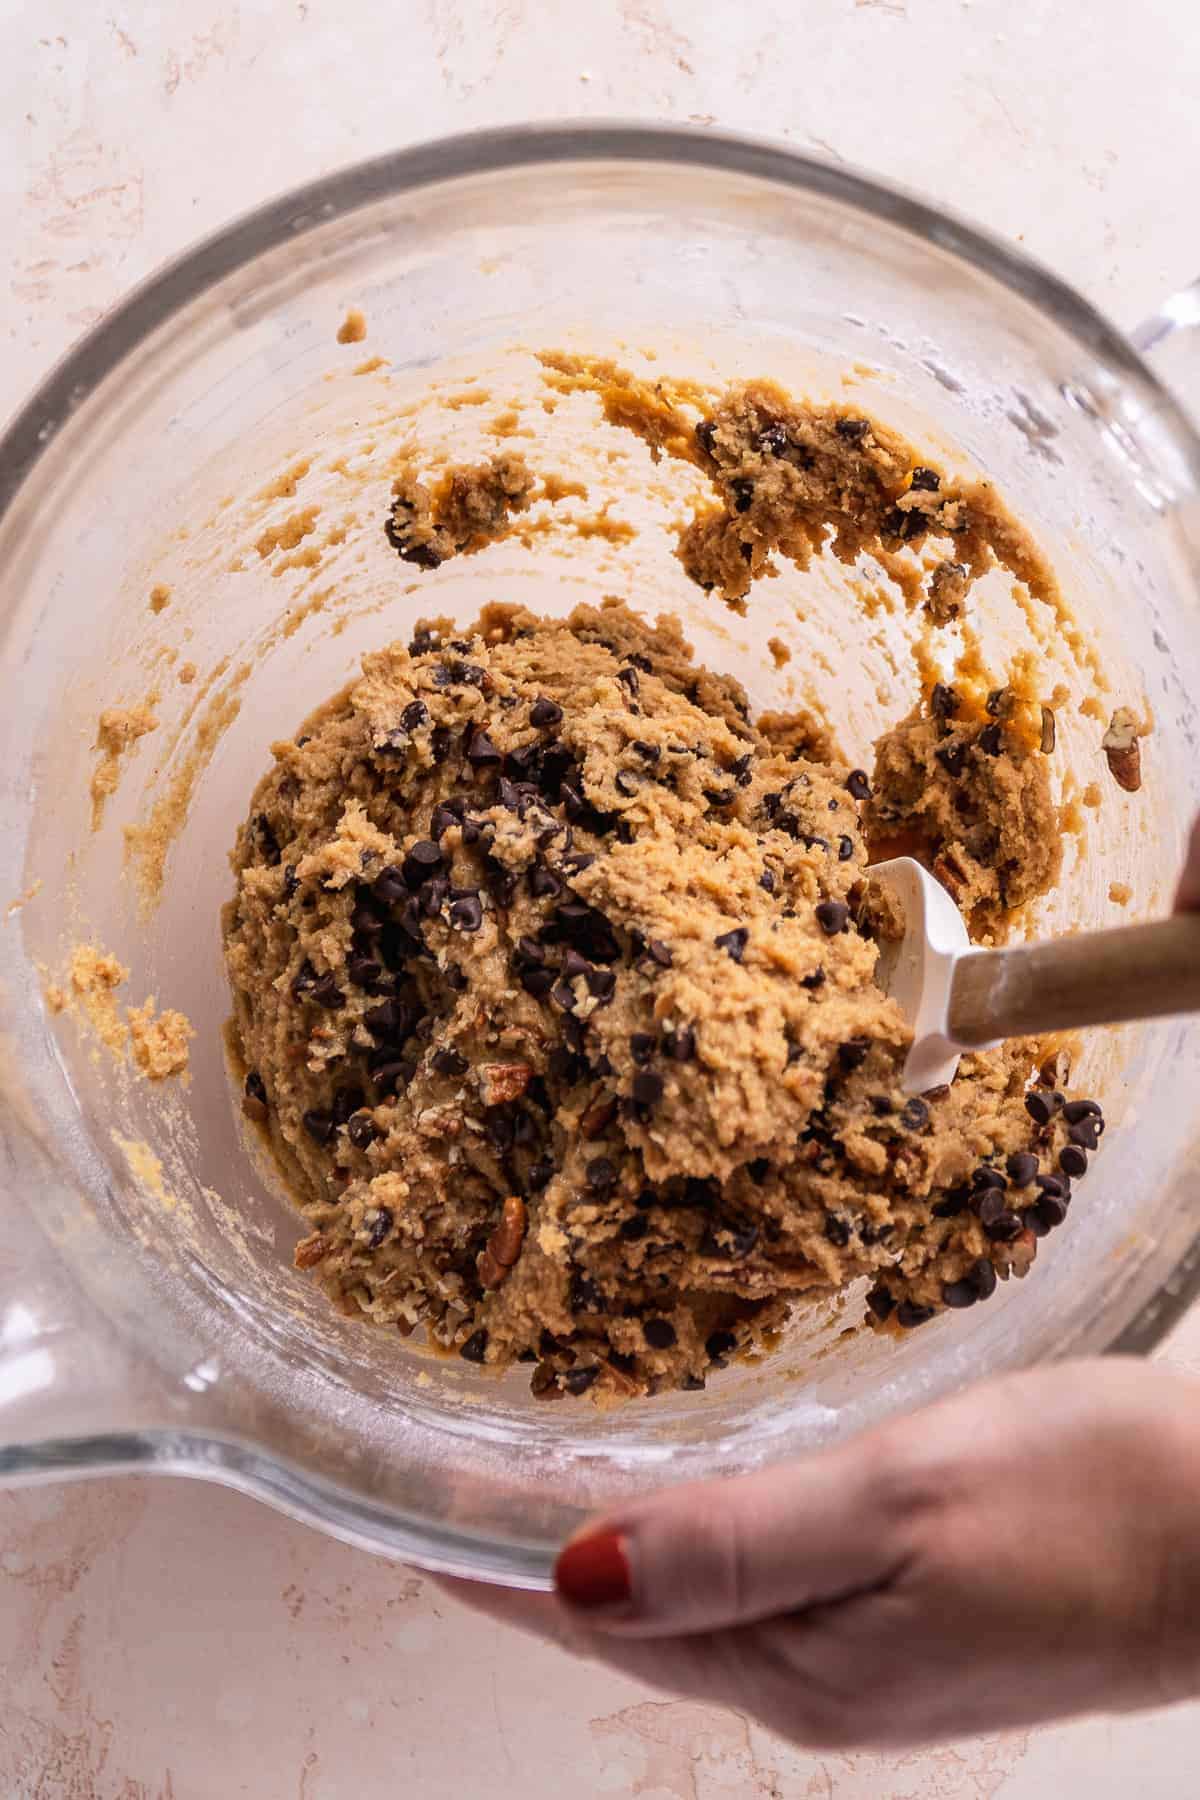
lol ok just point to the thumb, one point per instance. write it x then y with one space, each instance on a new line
1188 898
719 1553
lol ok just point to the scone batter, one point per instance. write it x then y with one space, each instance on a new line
554 985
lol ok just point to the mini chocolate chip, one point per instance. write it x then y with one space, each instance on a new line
991 740
734 942
362 1130
634 1227
983 1275
1022 1167
647 1087
466 912
773 440
853 430
1075 1111
481 752
953 758
943 701
719 1344
319 1125
641 1046
415 714
1048 1213
1058 1185
364 971
544 884
326 992
953 1202
449 1061
858 784
914 1114
627 675
626 784
255 1087
423 860
766 881
926 481
659 952
649 753
383 1222
909 1315
815 980
990 1205
1004 1227
845 849
544 713
1073 1160
720 796
659 1333
600 1173
832 916
837 1230
442 818
475 1348
986 1176
680 1044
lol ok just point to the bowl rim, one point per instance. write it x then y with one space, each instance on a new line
431 163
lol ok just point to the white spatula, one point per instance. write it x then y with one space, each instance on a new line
958 998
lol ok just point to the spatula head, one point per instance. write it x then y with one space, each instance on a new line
917 971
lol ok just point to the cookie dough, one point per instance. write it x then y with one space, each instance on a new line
553 977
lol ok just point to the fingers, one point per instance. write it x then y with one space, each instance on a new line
1188 898
714 1554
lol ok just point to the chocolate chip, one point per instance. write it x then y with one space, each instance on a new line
720 796
647 1087
986 1176
858 784
953 758
539 1174
773 440
1042 1105
959 1294
423 860
634 1227
1004 1226
268 843
319 1125
743 494
705 434
909 1315
449 1061
347 1100
659 953
466 912
291 881
837 1230
659 1333
626 784
364 971
415 714
852 430
734 942
926 481
881 1302
544 883
390 886
255 1087
1022 1167
627 675
392 1022
905 523
1073 1160
1075 1111
914 1114
1058 1185
544 713
845 849
719 1344
641 1046
475 1348
362 1130
381 1225
813 981
578 1381
440 740
326 992
766 881
600 1174
680 1044
991 740
953 1202
649 753
943 701
853 1053
601 983
481 752
832 916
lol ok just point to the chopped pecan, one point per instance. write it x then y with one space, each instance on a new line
504 1245
499 1082
599 1115
1124 752
951 876
312 1249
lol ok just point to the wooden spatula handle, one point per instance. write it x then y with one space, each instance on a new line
1097 978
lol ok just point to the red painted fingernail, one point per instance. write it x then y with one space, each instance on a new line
594 1572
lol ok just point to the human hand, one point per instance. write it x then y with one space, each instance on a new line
1188 898
1026 1550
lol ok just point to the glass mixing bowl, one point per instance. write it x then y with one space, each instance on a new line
149 1314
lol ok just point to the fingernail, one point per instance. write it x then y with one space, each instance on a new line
594 1572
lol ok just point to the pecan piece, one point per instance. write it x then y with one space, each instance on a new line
312 1249
1120 745
499 1082
504 1245
599 1116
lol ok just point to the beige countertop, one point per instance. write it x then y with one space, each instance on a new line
167 1641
